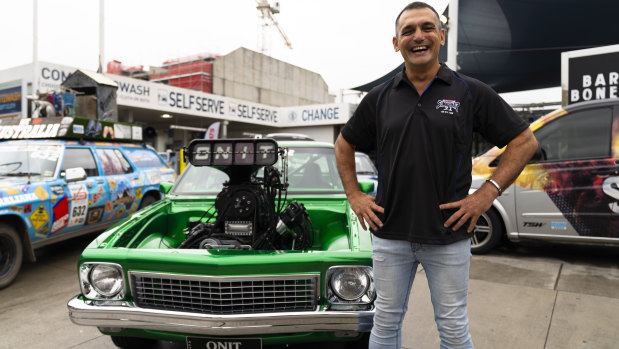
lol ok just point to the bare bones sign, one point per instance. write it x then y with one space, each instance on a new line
593 77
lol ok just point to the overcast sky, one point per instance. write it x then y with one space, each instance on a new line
347 42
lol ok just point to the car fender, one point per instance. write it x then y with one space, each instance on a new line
153 191
506 219
18 222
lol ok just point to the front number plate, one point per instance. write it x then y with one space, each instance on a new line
223 343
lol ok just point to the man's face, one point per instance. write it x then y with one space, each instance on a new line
419 37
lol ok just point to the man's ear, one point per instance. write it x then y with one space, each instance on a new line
396 46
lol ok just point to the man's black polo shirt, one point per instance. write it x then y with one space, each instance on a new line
424 148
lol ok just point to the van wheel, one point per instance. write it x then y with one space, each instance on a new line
11 255
132 342
147 200
487 233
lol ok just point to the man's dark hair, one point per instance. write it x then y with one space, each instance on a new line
416 6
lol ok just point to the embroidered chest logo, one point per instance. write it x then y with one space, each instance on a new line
447 106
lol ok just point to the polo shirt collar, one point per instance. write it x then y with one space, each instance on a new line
444 74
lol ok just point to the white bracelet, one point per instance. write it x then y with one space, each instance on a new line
496 185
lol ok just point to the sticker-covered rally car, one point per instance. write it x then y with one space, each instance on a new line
54 189
239 254
570 192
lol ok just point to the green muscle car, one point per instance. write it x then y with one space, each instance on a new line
254 245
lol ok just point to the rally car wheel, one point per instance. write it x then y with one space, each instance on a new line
487 233
11 255
147 200
132 342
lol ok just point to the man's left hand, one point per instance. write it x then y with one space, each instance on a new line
469 208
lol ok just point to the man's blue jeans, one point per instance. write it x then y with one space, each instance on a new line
447 270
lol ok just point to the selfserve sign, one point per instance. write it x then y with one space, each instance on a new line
143 94
590 74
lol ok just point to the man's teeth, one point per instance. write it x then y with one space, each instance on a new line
419 48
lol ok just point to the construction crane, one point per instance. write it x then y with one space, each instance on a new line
267 11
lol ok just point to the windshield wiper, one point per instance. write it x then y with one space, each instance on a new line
20 174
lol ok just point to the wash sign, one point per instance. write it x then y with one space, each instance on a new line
169 99
590 74
175 100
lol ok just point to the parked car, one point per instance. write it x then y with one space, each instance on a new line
55 189
366 171
569 194
230 256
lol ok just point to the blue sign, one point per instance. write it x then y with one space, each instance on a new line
10 100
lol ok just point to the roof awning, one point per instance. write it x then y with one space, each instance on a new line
515 45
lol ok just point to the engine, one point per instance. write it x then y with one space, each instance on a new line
250 212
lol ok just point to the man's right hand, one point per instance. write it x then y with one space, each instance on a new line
364 207
362 204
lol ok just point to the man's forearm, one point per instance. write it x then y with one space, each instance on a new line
517 153
345 156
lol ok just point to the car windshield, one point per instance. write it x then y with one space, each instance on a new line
309 169
364 164
32 159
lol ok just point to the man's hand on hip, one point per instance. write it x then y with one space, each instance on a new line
469 208
364 207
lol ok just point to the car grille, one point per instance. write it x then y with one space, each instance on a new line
221 295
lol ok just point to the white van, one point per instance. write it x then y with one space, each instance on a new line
570 194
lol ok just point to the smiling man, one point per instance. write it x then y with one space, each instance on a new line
421 123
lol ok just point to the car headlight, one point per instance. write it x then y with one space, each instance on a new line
102 281
350 284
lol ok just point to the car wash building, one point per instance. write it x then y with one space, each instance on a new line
252 94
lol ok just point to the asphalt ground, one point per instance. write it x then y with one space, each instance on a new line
520 296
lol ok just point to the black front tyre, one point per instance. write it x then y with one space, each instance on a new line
132 342
487 233
11 254
147 200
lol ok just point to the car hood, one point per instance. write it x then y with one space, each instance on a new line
19 182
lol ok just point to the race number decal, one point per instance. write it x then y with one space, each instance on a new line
79 204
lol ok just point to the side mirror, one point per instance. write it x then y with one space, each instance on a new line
165 188
75 174
366 187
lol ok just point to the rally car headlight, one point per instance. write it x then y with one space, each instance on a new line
102 281
350 284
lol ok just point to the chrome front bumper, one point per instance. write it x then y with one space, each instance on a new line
123 315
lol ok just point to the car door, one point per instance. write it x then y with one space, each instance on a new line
122 182
569 194
80 203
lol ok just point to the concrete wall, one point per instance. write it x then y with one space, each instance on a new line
255 77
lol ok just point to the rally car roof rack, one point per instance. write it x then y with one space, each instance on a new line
75 128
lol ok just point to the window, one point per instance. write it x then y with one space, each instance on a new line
364 165
581 135
80 157
200 179
144 158
312 168
113 162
